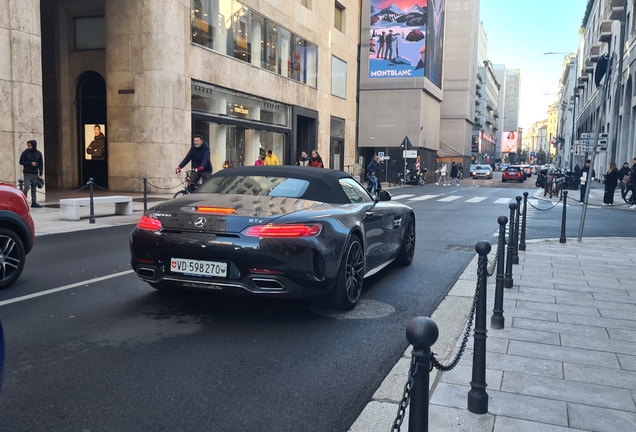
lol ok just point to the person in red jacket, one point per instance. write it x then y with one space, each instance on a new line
316 160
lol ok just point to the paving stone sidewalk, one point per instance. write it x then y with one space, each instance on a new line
566 359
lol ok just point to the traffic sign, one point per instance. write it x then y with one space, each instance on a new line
381 155
590 142
409 153
589 135
533 154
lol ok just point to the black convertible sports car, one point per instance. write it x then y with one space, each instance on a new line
274 231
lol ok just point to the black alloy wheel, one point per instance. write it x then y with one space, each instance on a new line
348 287
407 251
12 257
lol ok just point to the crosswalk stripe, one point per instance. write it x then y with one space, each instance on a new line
423 197
398 197
503 201
534 202
450 198
476 199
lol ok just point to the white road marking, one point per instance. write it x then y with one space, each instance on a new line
65 287
503 200
476 199
397 197
534 202
450 198
423 197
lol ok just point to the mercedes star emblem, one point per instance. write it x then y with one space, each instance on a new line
200 222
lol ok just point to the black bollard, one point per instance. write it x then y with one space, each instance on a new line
21 185
477 396
91 217
515 250
422 333
145 194
508 274
497 319
565 205
522 242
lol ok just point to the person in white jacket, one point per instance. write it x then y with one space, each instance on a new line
443 174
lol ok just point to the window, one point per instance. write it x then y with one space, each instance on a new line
355 191
338 77
256 185
338 20
90 33
306 3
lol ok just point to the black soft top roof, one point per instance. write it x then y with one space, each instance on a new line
323 183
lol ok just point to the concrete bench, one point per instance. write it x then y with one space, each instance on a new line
70 207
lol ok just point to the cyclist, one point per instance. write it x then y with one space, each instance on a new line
199 155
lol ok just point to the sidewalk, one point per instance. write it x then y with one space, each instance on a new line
595 199
565 361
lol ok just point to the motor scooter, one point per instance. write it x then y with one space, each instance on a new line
412 178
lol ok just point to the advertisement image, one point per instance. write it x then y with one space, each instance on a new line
509 142
94 141
398 38
435 37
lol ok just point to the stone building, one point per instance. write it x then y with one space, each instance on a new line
147 74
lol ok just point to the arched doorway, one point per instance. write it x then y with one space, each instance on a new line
91 129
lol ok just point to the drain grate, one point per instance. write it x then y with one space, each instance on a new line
460 248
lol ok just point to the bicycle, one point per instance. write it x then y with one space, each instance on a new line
188 186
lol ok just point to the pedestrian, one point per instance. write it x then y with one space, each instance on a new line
631 184
303 160
271 158
316 160
460 168
33 169
577 168
443 174
454 174
585 173
372 172
199 156
611 181
624 171
97 148
260 161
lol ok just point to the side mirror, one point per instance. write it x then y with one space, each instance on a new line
383 195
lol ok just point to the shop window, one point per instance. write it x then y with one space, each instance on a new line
337 127
339 17
338 77
271 43
90 33
311 72
284 50
240 31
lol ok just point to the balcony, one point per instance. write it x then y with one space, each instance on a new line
589 66
496 114
618 10
595 53
605 31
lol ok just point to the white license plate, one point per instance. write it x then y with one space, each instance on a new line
198 268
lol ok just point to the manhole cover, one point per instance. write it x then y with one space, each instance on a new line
365 309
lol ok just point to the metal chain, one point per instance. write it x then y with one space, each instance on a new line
161 188
491 271
550 208
64 194
406 397
445 368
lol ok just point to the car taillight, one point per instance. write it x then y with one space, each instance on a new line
283 230
149 224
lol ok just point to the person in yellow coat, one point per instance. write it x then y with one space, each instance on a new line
271 158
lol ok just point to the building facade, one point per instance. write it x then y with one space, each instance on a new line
249 76
553 130
509 100
460 77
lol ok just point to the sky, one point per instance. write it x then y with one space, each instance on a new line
519 32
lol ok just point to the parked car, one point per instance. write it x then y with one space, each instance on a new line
274 231
482 171
16 233
513 173
528 170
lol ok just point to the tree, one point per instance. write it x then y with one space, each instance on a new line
523 156
542 157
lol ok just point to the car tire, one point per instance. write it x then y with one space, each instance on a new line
407 250
13 257
343 296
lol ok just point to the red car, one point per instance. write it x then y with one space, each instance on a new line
513 173
17 233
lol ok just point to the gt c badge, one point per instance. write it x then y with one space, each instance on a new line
200 222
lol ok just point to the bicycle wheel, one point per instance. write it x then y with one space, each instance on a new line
180 193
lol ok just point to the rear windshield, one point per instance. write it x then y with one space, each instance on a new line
513 169
256 185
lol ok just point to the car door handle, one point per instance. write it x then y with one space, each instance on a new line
369 214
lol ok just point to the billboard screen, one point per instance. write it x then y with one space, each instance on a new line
509 142
406 38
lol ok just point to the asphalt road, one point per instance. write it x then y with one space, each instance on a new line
115 355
